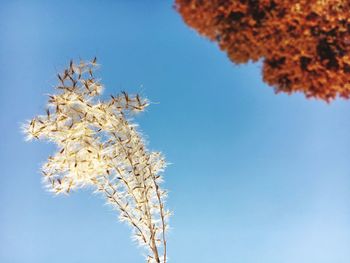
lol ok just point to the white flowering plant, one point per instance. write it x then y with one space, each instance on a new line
100 147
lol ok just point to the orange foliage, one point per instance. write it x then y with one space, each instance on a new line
305 44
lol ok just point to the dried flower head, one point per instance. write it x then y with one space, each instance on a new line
99 146
305 45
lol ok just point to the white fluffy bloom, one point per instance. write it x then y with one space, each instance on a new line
99 146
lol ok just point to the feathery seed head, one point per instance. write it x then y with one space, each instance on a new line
99 146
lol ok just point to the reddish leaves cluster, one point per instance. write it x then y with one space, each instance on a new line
304 44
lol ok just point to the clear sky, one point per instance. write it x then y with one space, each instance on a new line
255 177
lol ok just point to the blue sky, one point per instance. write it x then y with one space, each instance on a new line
255 177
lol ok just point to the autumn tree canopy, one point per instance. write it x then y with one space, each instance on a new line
304 44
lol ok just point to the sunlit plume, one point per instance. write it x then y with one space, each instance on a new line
100 147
